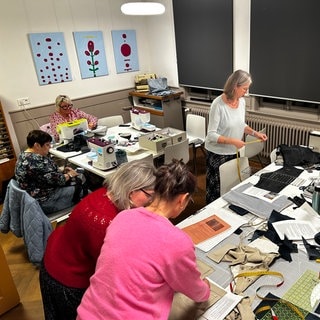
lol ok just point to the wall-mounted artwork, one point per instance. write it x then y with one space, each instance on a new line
125 50
50 57
91 54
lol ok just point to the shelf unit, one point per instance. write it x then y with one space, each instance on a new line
7 154
165 111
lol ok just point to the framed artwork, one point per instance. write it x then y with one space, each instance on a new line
91 54
125 50
50 57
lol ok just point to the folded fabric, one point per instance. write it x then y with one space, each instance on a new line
243 258
298 155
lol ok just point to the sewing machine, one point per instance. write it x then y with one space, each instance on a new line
67 130
141 81
104 153
140 120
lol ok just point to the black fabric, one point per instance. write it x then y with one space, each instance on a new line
277 180
298 155
286 247
78 143
81 189
313 251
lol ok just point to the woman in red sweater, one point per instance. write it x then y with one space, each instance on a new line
72 249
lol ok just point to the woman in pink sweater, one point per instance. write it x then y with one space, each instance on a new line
145 258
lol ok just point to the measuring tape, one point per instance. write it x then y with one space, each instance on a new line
238 159
258 273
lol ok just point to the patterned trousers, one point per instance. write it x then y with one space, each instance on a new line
214 161
59 302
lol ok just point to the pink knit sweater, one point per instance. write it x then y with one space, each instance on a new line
143 261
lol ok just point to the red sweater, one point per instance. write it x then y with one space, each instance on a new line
73 249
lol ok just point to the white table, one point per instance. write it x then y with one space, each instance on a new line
134 152
291 271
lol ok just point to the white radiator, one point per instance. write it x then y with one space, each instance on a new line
279 131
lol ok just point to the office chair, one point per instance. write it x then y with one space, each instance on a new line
111 121
229 173
177 151
196 133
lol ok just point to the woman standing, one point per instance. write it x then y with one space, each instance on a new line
145 258
226 128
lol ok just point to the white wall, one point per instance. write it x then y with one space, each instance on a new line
155 39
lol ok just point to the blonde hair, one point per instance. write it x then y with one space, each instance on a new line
130 176
62 98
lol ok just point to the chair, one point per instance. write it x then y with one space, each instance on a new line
46 128
111 121
177 151
23 215
196 133
273 155
252 149
229 173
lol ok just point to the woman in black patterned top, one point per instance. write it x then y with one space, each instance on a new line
39 175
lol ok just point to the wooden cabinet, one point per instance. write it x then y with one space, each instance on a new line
165 111
7 154
9 296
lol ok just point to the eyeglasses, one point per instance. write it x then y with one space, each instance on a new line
149 195
67 107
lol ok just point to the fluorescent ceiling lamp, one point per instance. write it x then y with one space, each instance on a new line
142 8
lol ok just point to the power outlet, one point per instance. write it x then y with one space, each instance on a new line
23 101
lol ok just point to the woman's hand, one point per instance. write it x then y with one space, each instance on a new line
261 136
237 143
91 125
71 173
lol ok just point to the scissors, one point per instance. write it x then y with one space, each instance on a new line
274 317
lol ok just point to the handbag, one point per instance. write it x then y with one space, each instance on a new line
158 85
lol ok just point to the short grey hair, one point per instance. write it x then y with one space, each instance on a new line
62 98
130 176
236 79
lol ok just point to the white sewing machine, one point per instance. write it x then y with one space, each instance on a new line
140 120
105 157
67 130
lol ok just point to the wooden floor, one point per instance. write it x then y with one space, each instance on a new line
25 274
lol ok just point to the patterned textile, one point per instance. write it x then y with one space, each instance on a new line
75 114
54 296
214 161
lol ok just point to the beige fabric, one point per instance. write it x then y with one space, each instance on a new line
243 311
243 258
183 308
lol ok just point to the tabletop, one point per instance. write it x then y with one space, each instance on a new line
299 268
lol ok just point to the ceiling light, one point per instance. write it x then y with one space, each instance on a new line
142 8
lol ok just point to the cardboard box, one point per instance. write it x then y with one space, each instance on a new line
175 135
154 141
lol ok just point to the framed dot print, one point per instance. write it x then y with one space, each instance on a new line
50 57
125 50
